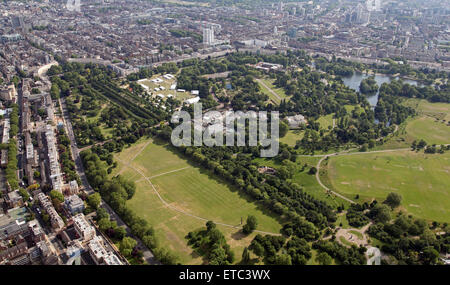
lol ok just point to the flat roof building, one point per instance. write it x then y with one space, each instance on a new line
5 133
74 204
99 253
83 228
8 93
53 164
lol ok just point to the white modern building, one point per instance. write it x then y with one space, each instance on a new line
99 253
74 204
6 128
373 5
192 100
83 228
208 36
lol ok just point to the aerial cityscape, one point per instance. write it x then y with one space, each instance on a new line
224 132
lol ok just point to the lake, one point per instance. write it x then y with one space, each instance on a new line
354 81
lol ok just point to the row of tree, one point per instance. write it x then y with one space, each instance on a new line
116 192
11 166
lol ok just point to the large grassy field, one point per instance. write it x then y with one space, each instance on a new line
422 180
430 124
191 194
432 131
439 111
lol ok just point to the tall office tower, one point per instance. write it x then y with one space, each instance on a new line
373 5
365 18
359 10
377 5
303 11
370 5
17 22
208 36
348 18
275 30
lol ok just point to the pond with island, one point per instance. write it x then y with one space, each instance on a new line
354 81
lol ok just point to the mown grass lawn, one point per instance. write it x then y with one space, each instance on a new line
188 189
431 124
345 241
356 233
439 111
194 191
326 121
342 221
422 180
292 137
427 128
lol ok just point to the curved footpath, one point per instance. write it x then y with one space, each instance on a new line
344 153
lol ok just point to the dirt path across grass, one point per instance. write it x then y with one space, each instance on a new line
168 205
347 152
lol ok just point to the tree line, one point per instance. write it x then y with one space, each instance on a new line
116 192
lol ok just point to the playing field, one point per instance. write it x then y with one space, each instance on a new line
431 124
422 180
188 195
440 111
